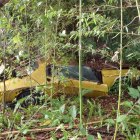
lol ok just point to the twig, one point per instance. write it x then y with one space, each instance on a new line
37 130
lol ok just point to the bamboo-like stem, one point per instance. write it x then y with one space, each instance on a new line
4 62
54 57
120 74
4 85
45 45
29 50
80 61
137 5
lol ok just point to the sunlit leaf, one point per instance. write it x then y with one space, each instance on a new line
99 136
62 108
110 121
46 116
127 103
90 137
16 39
2 67
16 107
139 88
73 111
25 131
121 118
47 122
134 93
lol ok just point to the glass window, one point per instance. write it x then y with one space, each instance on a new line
73 72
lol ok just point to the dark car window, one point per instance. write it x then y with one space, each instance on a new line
73 72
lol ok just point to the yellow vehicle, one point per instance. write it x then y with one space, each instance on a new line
63 79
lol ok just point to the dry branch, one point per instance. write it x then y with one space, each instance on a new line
39 130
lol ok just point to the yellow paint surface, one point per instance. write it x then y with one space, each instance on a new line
109 76
66 86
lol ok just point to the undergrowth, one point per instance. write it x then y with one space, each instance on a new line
34 29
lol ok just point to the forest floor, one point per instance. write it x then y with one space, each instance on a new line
94 125
104 107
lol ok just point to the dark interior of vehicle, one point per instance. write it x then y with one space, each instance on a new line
73 72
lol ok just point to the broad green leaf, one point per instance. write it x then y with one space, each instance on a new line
90 137
83 130
39 3
25 131
62 108
121 118
16 107
99 136
2 68
23 138
127 103
46 116
134 93
16 39
46 122
139 101
139 88
110 121
73 111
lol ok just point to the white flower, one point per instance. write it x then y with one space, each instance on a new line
2 67
17 57
29 70
115 57
63 33
20 53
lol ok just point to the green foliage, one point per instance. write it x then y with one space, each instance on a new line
134 93
131 79
126 83
131 119
28 27
50 28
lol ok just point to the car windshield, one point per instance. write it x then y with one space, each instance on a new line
73 72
